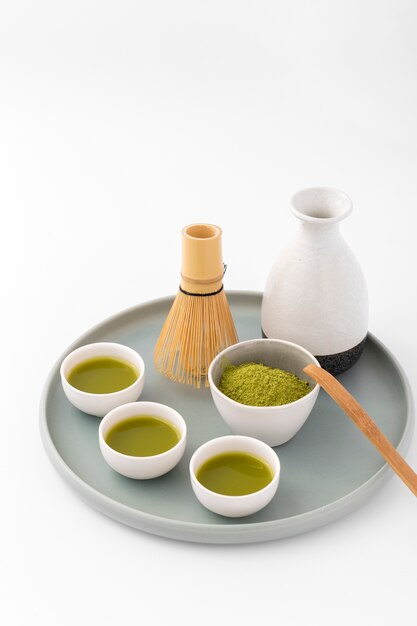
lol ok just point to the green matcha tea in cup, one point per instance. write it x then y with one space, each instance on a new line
234 476
100 376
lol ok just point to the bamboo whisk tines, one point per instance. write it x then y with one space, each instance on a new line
199 324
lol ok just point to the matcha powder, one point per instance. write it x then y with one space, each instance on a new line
255 384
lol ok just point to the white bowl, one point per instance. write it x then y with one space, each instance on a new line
101 403
142 467
272 424
234 506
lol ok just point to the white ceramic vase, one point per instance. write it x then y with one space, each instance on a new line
316 294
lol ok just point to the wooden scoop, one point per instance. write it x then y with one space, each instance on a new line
366 424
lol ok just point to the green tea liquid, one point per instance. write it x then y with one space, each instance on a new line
234 473
103 375
142 435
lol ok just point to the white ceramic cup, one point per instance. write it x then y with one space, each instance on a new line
142 467
101 403
272 424
234 506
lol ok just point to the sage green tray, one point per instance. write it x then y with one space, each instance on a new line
328 469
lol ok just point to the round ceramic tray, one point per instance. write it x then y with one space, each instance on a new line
328 469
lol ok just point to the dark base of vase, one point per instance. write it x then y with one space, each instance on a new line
342 361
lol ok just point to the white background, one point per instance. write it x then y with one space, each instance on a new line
120 123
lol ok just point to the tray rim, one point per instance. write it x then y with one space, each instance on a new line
217 533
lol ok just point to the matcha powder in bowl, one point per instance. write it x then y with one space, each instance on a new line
255 384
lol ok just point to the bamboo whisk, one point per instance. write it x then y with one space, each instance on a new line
199 324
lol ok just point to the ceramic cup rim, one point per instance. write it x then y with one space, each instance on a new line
100 344
265 409
222 496
142 459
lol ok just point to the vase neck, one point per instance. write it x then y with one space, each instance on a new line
318 234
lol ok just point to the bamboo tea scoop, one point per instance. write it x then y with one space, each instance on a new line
366 424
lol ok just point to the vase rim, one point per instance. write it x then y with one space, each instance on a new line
321 205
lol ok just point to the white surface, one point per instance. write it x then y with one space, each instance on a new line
120 123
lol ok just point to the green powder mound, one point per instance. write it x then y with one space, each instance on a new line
255 384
